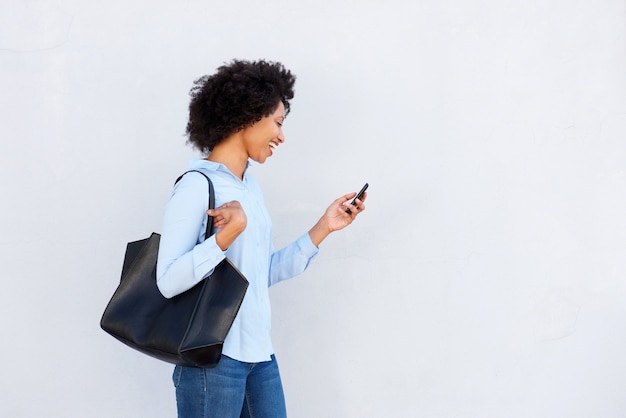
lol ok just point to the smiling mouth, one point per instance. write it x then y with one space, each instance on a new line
273 145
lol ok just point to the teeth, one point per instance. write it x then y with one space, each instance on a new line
273 145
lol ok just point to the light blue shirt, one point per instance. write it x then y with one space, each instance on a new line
185 258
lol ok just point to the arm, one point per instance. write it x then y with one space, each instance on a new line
184 260
295 258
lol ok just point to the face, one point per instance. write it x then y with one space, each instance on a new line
262 138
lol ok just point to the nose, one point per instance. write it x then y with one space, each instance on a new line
281 136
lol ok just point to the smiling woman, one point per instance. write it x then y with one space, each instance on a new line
237 115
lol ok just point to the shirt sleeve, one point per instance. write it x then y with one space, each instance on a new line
292 260
184 257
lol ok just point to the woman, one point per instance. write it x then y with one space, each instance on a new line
236 115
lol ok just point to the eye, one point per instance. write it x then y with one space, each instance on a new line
279 123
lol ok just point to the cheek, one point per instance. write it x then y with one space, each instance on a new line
272 132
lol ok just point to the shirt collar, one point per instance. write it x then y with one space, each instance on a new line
213 166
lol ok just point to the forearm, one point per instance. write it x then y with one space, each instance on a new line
179 268
292 260
319 232
225 237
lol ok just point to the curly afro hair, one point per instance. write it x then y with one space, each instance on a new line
238 95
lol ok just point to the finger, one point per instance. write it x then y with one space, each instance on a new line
233 204
358 206
348 211
220 221
351 209
345 198
215 212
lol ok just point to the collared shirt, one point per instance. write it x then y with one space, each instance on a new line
185 258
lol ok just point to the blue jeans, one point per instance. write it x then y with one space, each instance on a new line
232 389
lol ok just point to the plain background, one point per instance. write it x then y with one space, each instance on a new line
485 279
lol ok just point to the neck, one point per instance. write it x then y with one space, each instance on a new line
229 154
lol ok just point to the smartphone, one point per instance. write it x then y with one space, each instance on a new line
359 195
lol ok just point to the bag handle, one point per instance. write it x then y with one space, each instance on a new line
209 222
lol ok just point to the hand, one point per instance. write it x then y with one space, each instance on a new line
231 220
336 217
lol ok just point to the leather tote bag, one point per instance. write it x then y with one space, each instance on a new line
188 329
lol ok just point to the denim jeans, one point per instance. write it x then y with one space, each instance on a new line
232 389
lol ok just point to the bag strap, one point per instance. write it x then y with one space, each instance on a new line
209 222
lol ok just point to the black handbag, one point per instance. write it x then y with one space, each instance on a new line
188 329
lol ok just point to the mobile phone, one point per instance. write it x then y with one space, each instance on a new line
359 195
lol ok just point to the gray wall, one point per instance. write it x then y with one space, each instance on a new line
485 279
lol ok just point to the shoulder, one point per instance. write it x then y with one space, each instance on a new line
190 191
196 175
192 179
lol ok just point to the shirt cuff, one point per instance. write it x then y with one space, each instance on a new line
206 256
306 246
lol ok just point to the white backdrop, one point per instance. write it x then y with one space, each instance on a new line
486 278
